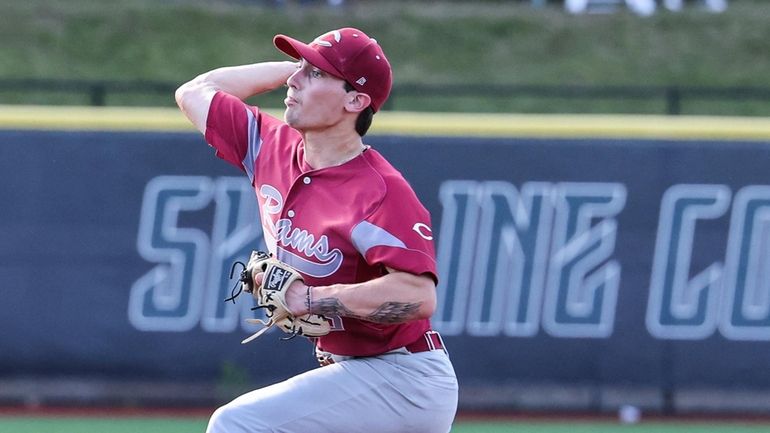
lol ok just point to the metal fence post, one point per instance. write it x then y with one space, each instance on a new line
98 94
673 101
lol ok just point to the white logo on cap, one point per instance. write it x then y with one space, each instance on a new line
361 81
335 33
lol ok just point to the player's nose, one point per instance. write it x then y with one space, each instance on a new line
292 81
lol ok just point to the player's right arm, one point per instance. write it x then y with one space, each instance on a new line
194 97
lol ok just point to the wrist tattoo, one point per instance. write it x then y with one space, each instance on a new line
309 298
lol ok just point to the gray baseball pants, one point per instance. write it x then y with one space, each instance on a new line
397 392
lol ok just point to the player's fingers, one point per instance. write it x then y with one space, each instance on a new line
259 277
254 283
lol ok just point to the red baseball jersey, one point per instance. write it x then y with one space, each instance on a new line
342 224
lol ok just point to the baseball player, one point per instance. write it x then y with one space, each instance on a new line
335 210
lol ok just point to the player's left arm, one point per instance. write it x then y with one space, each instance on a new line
396 297
396 236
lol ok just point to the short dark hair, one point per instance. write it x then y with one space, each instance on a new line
364 119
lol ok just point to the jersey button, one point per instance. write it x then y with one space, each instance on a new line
290 213
306 180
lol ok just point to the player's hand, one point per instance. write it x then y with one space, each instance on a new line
280 292
296 295
296 299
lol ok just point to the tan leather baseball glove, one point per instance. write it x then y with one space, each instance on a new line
271 296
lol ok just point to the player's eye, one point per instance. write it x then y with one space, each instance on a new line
315 73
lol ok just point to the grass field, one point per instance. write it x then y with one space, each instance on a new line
23 424
428 42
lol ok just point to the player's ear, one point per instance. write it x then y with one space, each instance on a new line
357 102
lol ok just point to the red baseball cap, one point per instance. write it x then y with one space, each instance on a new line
348 54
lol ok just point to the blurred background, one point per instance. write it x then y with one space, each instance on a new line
489 56
596 171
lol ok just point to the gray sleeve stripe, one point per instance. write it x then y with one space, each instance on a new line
367 235
253 146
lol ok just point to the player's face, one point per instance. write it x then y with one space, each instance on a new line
315 99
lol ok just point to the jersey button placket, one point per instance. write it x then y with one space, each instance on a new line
305 180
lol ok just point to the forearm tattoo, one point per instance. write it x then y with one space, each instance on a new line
329 307
387 313
394 312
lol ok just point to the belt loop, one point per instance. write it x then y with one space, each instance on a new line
427 335
443 345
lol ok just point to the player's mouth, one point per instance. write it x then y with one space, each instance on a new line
289 101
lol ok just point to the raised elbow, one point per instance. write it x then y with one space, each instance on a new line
179 95
184 91
192 90
194 99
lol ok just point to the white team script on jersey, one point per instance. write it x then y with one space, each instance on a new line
282 233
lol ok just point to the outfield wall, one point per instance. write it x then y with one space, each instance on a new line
579 270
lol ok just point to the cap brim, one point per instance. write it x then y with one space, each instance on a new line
296 49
